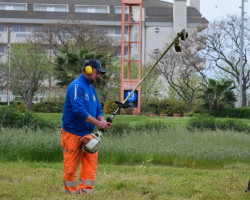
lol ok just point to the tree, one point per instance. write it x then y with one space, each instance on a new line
72 42
218 94
184 72
29 67
70 64
222 40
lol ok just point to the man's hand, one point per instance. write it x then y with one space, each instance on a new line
104 125
100 122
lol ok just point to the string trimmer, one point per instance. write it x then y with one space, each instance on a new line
91 142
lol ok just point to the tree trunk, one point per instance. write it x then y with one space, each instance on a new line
28 100
244 97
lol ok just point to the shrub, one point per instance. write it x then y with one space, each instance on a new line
243 112
11 118
31 120
202 121
233 125
109 107
20 106
48 107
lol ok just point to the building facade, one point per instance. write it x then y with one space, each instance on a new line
19 19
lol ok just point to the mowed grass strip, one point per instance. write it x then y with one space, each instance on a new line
32 180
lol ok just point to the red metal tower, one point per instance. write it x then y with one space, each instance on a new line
131 51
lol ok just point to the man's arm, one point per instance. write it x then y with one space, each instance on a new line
100 122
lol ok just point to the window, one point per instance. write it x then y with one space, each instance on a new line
13 6
51 7
156 51
1 28
1 50
118 31
118 9
91 9
38 28
157 30
19 28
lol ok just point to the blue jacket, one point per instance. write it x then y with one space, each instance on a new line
80 102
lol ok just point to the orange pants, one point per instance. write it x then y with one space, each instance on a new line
73 155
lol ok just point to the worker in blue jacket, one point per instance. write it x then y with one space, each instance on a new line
81 113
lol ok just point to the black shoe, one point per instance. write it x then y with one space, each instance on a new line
248 187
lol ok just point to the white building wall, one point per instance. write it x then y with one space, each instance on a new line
195 4
156 40
179 15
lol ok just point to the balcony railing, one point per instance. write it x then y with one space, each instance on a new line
117 36
24 34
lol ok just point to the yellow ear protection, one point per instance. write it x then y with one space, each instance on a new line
88 68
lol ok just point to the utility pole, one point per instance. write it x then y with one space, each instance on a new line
241 51
8 82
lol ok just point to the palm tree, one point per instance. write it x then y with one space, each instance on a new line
218 94
69 64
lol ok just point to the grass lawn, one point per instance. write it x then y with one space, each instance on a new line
169 163
32 180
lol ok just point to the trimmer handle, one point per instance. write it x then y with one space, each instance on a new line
109 119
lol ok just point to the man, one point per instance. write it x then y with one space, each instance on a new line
81 113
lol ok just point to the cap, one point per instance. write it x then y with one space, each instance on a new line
95 64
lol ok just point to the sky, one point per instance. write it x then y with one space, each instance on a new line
215 9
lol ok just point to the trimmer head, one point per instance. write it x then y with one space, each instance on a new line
176 46
184 35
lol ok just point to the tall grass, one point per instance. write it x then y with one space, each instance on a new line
171 146
20 144
177 146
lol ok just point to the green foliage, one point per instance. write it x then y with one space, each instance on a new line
206 121
11 118
30 66
172 146
27 145
20 107
243 112
31 120
70 63
109 107
202 122
126 182
233 125
165 106
120 128
150 107
48 107
218 95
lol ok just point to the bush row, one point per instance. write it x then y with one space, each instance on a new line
48 107
11 118
243 112
206 121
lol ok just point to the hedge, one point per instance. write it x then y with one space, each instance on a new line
11 118
243 112
48 107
